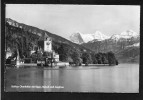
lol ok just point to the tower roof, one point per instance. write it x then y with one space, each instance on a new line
43 37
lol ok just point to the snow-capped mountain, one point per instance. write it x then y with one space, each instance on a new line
84 38
129 34
80 38
76 38
134 45
115 37
99 36
125 35
116 42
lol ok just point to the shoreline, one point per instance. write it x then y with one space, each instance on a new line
62 66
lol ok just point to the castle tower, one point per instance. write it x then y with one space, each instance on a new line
48 45
45 42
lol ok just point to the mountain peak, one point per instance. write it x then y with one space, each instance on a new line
76 37
128 34
115 37
100 36
84 38
125 35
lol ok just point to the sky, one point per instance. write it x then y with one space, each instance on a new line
64 20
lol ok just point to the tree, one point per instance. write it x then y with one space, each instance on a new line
70 60
34 57
111 58
99 58
104 58
94 60
14 54
86 57
76 58
16 38
63 52
46 54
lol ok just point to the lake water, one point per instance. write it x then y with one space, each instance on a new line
123 78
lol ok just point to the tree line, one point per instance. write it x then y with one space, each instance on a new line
77 57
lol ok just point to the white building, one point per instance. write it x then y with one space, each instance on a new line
45 43
48 45
56 56
8 53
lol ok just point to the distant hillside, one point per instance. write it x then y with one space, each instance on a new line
127 42
110 45
23 30
129 55
24 38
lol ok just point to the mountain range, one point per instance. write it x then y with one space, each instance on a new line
84 38
125 45
80 38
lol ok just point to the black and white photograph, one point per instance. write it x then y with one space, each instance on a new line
72 48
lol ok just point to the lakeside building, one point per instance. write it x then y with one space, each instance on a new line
45 43
8 53
45 47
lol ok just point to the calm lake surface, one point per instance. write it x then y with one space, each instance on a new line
123 78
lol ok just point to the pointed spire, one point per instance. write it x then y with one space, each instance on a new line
43 37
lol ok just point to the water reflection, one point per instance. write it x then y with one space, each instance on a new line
122 78
47 80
